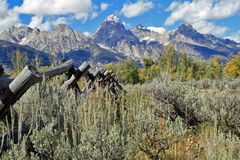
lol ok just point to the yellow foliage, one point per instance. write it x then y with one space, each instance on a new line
232 68
109 66
19 61
147 74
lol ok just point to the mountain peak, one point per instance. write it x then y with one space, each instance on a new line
186 26
63 27
140 27
112 32
19 28
113 18
187 30
16 34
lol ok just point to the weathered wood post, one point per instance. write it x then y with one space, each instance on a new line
63 68
91 77
68 75
76 76
17 88
13 89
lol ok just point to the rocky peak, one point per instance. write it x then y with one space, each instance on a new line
16 34
112 31
63 28
19 29
186 29
141 28
113 18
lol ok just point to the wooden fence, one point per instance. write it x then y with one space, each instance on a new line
12 89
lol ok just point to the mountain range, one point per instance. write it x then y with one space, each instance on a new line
110 43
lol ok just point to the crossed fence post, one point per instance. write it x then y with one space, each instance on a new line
11 90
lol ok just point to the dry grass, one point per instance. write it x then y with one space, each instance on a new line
95 126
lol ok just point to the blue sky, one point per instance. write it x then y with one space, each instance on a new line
218 17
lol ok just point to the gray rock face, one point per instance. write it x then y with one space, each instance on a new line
145 34
186 39
16 35
61 42
113 42
112 34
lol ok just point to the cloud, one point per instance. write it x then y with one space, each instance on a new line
80 9
130 10
8 17
38 22
209 28
94 15
104 6
202 12
235 37
157 29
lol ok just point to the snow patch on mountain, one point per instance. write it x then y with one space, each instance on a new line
113 18
160 30
22 42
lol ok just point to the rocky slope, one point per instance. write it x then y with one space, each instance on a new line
62 41
113 42
8 48
112 34
186 39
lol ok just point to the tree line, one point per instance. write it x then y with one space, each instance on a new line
178 65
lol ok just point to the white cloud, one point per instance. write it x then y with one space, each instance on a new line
60 20
94 15
235 37
130 10
202 12
209 28
80 9
157 29
104 6
37 21
8 17
173 6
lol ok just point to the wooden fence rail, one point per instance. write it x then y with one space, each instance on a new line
27 77
11 90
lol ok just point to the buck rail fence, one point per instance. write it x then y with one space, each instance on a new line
12 89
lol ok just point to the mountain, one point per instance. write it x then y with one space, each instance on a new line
113 42
113 35
61 42
112 31
8 48
17 34
187 39
145 34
